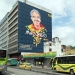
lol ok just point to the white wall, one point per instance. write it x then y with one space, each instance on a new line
56 46
46 47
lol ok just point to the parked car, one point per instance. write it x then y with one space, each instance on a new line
25 65
12 62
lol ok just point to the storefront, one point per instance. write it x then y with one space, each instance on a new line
39 59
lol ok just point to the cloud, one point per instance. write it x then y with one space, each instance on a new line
65 28
5 6
57 6
65 33
2 11
63 17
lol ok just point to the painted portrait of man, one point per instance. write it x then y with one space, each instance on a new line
36 29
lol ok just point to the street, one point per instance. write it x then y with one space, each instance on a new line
13 70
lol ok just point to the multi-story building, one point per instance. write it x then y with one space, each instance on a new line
4 32
13 30
20 39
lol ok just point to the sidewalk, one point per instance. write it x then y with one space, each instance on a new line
45 67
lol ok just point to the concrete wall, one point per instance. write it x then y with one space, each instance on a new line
47 62
54 46
29 60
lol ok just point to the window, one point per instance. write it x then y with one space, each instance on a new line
50 49
61 50
50 44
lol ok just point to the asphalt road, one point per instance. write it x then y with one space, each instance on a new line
43 71
14 71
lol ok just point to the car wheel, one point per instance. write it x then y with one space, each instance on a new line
55 69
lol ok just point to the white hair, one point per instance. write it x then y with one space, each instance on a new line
34 10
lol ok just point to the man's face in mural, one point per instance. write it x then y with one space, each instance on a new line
35 17
36 29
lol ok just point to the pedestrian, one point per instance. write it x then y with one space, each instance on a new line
42 65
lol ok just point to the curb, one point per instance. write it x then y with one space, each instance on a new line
41 67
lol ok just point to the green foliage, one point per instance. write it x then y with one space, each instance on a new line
72 47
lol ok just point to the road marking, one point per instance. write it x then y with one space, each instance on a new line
12 74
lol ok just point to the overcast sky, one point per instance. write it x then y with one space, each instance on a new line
63 17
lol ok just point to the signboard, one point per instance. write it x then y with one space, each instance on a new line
48 54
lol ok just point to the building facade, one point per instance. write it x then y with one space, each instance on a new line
54 46
19 38
13 31
4 33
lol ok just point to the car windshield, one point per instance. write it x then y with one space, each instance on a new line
14 60
28 64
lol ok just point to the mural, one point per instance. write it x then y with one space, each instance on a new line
34 28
